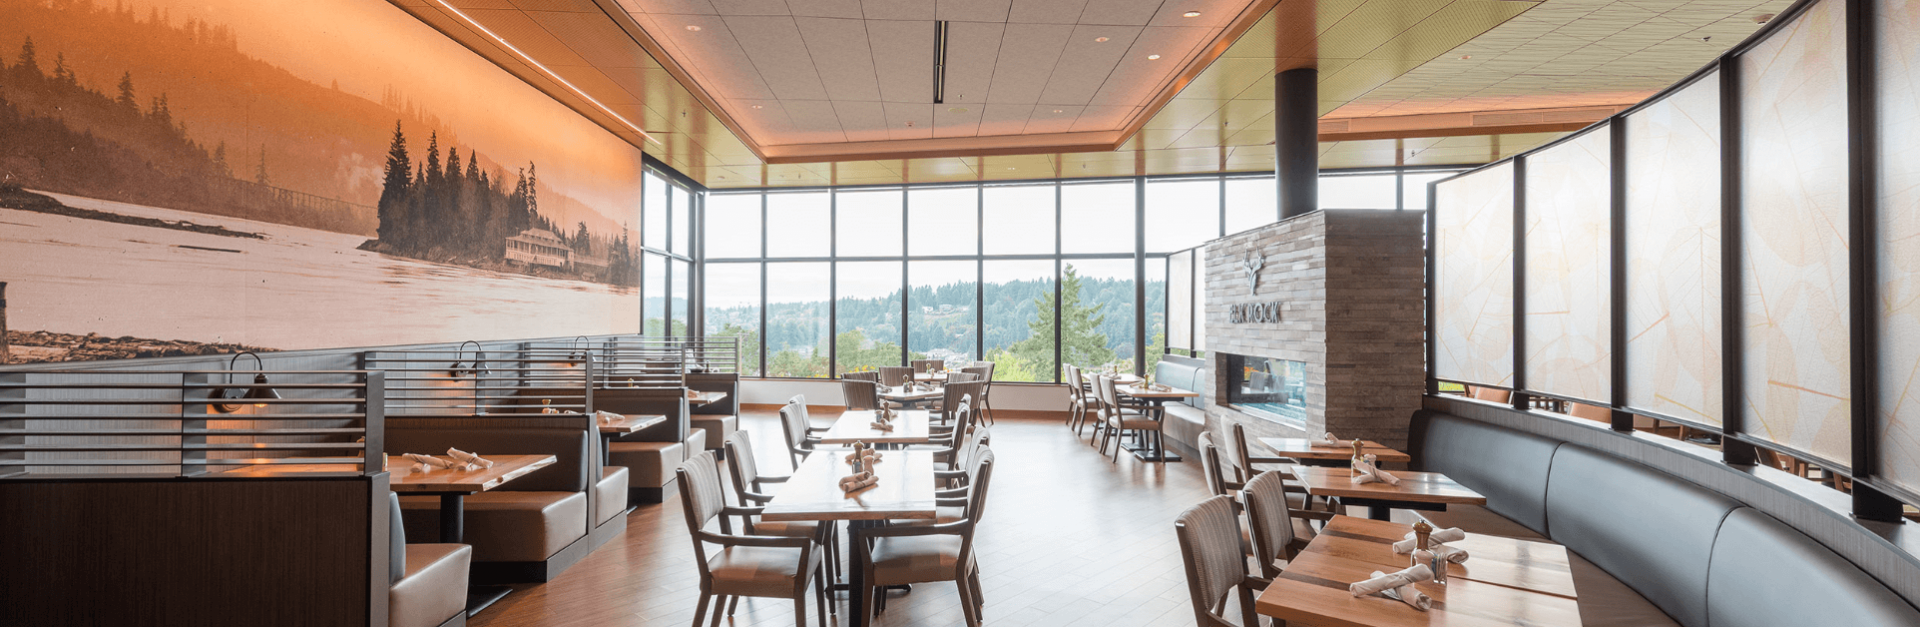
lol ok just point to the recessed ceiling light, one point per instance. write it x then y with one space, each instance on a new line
756 106
956 109
1153 57
1058 111
1190 14
1100 39
1012 168
1763 18
693 27
1465 57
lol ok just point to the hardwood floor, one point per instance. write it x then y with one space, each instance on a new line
1069 539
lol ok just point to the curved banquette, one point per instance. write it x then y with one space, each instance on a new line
1653 548
1187 418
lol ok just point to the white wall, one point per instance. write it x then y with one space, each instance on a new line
825 392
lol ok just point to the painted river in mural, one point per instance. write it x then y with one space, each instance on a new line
74 275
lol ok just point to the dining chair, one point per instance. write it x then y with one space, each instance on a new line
1489 394
1271 522
860 394
984 369
1209 535
1076 403
798 429
895 376
863 375
1218 483
1120 419
903 554
950 397
947 443
746 565
749 490
950 502
1595 413
928 365
1245 468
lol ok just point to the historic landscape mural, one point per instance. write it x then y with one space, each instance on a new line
189 177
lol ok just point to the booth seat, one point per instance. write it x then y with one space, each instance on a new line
1648 548
530 528
428 582
719 419
650 455
1187 418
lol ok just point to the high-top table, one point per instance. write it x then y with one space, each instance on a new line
1313 454
905 492
1504 582
910 426
1417 490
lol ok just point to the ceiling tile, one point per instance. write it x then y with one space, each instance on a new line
1028 54
956 121
780 54
1046 11
902 53
1052 119
972 50
862 121
974 10
897 9
841 56
1005 119
1085 63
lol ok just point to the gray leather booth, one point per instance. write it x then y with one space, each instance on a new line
1650 548
427 583
532 528
651 455
718 419
1187 418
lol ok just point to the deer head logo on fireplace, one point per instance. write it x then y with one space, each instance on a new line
1253 263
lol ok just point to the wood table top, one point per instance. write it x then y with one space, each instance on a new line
905 490
1541 567
909 427
1141 392
1415 487
699 397
403 479
1302 448
1313 587
899 393
631 423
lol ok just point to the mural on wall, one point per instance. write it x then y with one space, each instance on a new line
199 177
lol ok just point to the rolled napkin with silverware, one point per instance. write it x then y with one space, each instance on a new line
1369 473
1450 534
857 481
1327 439
1401 583
881 426
607 417
429 461
469 459
1443 552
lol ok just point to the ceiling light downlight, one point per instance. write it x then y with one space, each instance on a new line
1190 14
956 109
693 27
1153 57
1101 40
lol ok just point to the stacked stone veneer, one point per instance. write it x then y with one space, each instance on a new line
1352 295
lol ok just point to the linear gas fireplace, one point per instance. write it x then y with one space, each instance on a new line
1275 389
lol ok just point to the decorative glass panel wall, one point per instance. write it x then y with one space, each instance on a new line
1180 300
1020 219
733 226
1569 293
867 315
943 221
799 224
1096 313
868 223
797 319
1181 213
1793 234
1019 331
941 312
1473 295
1897 37
1673 254
732 307
1097 217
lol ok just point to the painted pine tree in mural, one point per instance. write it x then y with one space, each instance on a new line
438 209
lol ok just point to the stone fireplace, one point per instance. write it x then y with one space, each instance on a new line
1330 337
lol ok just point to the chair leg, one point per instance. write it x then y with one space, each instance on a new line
820 594
731 604
719 604
700 610
979 596
800 610
967 607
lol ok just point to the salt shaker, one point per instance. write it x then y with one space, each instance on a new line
1426 553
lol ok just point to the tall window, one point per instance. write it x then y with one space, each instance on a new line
799 224
867 223
1182 213
867 315
1097 217
1019 319
798 321
1019 219
733 308
1096 313
734 230
941 320
667 210
943 221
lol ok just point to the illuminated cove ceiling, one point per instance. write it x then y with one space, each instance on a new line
749 93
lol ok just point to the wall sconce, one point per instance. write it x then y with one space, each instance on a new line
259 391
579 354
474 369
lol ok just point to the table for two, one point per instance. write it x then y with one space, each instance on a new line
1504 582
1152 447
1325 471
905 490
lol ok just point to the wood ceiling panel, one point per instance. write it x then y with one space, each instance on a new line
597 41
841 56
774 45
951 121
527 35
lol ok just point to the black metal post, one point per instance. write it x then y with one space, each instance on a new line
1519 398
1617 276
1732 335
1296 141
1862 251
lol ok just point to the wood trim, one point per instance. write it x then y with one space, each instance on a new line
620 17
1240 25
1459 131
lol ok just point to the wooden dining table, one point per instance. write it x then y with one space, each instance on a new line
1430 491
905 491
910 426
703 397
628 423
1308 451
1505 582
899 394
1153 447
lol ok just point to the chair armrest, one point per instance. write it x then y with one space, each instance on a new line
951 493
768 541
766 479
950 502
949 474
1311 514
756 497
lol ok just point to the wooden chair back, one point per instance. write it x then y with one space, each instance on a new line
860 394
1209 535
895 376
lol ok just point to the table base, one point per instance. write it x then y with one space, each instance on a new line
482 597
1383 510
1150 453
